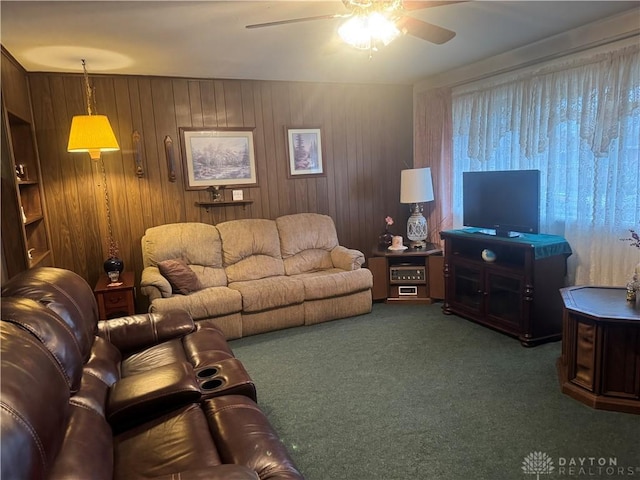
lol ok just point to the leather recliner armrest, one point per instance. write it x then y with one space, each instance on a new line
137 398
136 332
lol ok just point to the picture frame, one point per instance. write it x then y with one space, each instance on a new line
218 157
305 152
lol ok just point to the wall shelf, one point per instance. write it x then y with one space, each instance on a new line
33 219
207 205
38 257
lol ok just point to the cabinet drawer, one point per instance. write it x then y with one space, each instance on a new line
116 299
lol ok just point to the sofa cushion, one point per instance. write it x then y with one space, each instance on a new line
311 260
306 240
269 293
250 249
334 283
64 292
183 280
196 243
156 356
210 276
34 405
87 448
54 334
206 303
178 441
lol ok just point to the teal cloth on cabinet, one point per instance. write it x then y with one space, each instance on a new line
543 245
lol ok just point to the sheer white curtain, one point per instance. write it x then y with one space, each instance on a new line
578 122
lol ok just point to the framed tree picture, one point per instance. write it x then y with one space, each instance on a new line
305 152
218 157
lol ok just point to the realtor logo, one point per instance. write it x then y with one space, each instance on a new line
537 463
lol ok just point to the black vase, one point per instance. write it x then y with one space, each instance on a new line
385 240
113 264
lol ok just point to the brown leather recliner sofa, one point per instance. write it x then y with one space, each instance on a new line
147 396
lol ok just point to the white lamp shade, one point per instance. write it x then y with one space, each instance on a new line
416 185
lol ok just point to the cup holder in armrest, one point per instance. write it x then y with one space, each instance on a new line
207 372
226 377
212 384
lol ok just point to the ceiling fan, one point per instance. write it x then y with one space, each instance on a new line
371 23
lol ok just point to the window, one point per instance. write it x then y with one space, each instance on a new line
578 122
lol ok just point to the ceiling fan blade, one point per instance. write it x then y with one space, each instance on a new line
417 5
426 31
298 20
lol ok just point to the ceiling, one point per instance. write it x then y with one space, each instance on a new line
208 39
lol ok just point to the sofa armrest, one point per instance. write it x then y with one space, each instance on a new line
139 398
136 332
154 285
346 258
219 472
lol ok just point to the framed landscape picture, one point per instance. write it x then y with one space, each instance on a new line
305 152
218 157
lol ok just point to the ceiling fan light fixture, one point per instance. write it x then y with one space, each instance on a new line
366 31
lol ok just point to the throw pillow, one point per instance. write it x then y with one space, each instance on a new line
183 280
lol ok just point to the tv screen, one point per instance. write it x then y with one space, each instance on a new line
505 201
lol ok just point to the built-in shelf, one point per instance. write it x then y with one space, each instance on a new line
33 219
37 257
25 230
223 203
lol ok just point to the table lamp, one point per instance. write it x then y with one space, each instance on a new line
416 187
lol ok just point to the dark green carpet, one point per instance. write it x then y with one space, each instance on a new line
408 393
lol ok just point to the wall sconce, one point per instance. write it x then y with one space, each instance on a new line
416 187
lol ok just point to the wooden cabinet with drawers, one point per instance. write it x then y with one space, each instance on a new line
115 300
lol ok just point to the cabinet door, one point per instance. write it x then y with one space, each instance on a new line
467 292
378 267
504 298
436 276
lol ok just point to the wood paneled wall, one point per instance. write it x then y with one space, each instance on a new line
366 137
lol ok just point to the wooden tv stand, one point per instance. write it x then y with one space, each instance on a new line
517 294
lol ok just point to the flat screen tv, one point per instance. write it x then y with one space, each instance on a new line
505 201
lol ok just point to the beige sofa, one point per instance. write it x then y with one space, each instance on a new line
257 275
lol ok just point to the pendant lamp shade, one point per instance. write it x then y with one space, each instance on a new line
93 134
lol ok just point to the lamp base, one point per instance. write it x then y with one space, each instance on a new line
417 228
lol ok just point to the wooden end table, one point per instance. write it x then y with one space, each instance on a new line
600 362
407 276
118 300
